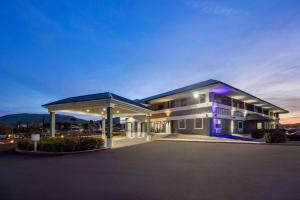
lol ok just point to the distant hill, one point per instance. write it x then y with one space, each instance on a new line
290 126
26 118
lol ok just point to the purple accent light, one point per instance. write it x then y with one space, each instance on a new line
221 90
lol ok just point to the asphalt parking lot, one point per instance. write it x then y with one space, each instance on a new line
156 170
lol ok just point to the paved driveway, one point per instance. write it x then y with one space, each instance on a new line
157 170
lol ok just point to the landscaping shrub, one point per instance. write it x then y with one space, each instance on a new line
86 143
258 133
67 144
25 144
275 136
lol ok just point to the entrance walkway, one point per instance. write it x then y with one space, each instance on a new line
134 139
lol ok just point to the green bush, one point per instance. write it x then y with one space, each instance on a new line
258 133
25 144
86 143
275 136
67 144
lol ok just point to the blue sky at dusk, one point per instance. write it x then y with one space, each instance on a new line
54 49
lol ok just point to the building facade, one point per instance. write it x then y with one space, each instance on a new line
209 108
206 108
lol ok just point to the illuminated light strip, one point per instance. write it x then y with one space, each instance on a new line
78 112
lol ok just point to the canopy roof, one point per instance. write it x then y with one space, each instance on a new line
96 104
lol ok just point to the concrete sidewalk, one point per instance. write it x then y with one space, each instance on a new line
235 138
133 139
204 138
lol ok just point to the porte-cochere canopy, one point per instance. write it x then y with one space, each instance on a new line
105 105
96 104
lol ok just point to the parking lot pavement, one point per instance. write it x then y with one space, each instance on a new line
156 170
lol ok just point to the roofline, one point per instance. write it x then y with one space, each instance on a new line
147 99
285 111
109 94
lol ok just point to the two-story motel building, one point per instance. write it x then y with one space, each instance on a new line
206 108
209 108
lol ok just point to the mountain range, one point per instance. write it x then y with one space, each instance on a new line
25 118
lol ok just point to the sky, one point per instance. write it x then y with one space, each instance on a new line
55 49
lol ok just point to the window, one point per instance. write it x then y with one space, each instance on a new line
259 125
198 123
160 106
183 102
234 103
181 124
202 98
172 104
219 123
240 125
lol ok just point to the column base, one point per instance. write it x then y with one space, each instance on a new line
109 143
148 138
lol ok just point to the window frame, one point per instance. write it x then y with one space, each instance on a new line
184 124
195 119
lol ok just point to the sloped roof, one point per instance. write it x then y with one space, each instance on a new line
200 85
180 90
98 96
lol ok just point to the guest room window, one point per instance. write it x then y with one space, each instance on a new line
181 124
198 123
183 102
240 125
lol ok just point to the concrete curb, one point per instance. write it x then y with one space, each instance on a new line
57 153
232 142
208 141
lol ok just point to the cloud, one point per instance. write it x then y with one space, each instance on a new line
210 7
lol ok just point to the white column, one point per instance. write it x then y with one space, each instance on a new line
231 126
139 130
133 132
109 127
52 124
103 131
148 137
168 127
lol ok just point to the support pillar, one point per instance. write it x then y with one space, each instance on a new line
103 131
168 127
109 126
139 129
133 131
52 124
148 137
231 126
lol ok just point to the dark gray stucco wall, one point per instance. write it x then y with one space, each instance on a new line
225 126
190 127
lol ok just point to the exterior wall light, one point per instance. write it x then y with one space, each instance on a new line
118 112
196 95
87 110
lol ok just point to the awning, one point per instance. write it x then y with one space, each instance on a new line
96 104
